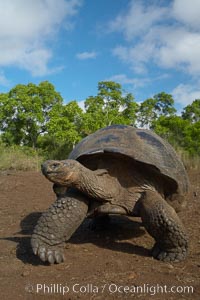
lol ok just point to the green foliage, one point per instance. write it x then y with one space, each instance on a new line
192 139
180 133
164 104
63 130
172 129
151 109
192 112
110 106
25 112
35 122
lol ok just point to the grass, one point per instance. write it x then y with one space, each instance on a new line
190 162
19 159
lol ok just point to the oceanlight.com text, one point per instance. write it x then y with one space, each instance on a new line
111 288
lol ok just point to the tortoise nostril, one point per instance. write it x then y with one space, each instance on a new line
44 167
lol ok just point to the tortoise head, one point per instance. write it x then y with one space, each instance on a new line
62 172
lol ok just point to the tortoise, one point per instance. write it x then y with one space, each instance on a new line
116 170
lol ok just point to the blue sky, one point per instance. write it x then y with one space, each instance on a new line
148 46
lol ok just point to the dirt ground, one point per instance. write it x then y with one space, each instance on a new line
113 263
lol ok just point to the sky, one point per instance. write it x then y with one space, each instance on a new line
147 46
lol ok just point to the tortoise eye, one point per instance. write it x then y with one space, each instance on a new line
55 166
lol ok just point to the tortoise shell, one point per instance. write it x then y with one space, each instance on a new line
144 146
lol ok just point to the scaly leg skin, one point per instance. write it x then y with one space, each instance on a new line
162 223
57 224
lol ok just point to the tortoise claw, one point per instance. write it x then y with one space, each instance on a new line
59 257
42 256
50 257
47 253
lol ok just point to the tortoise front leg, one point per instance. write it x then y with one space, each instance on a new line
57 224
162 223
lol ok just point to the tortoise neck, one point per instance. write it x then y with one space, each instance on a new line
102 187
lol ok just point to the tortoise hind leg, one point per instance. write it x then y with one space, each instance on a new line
162 223
57 224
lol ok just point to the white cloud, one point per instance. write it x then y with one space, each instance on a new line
185 94
138 19
187 12
181 49
27 27
86 55
136 56
168 37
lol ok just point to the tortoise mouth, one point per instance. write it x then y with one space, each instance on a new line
55 174
58 176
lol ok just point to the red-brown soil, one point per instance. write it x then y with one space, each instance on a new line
110 264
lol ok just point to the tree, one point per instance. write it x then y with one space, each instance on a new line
150 110
172 128
180 133
25 112
192 139
192 112
64 126
110 106
147 113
